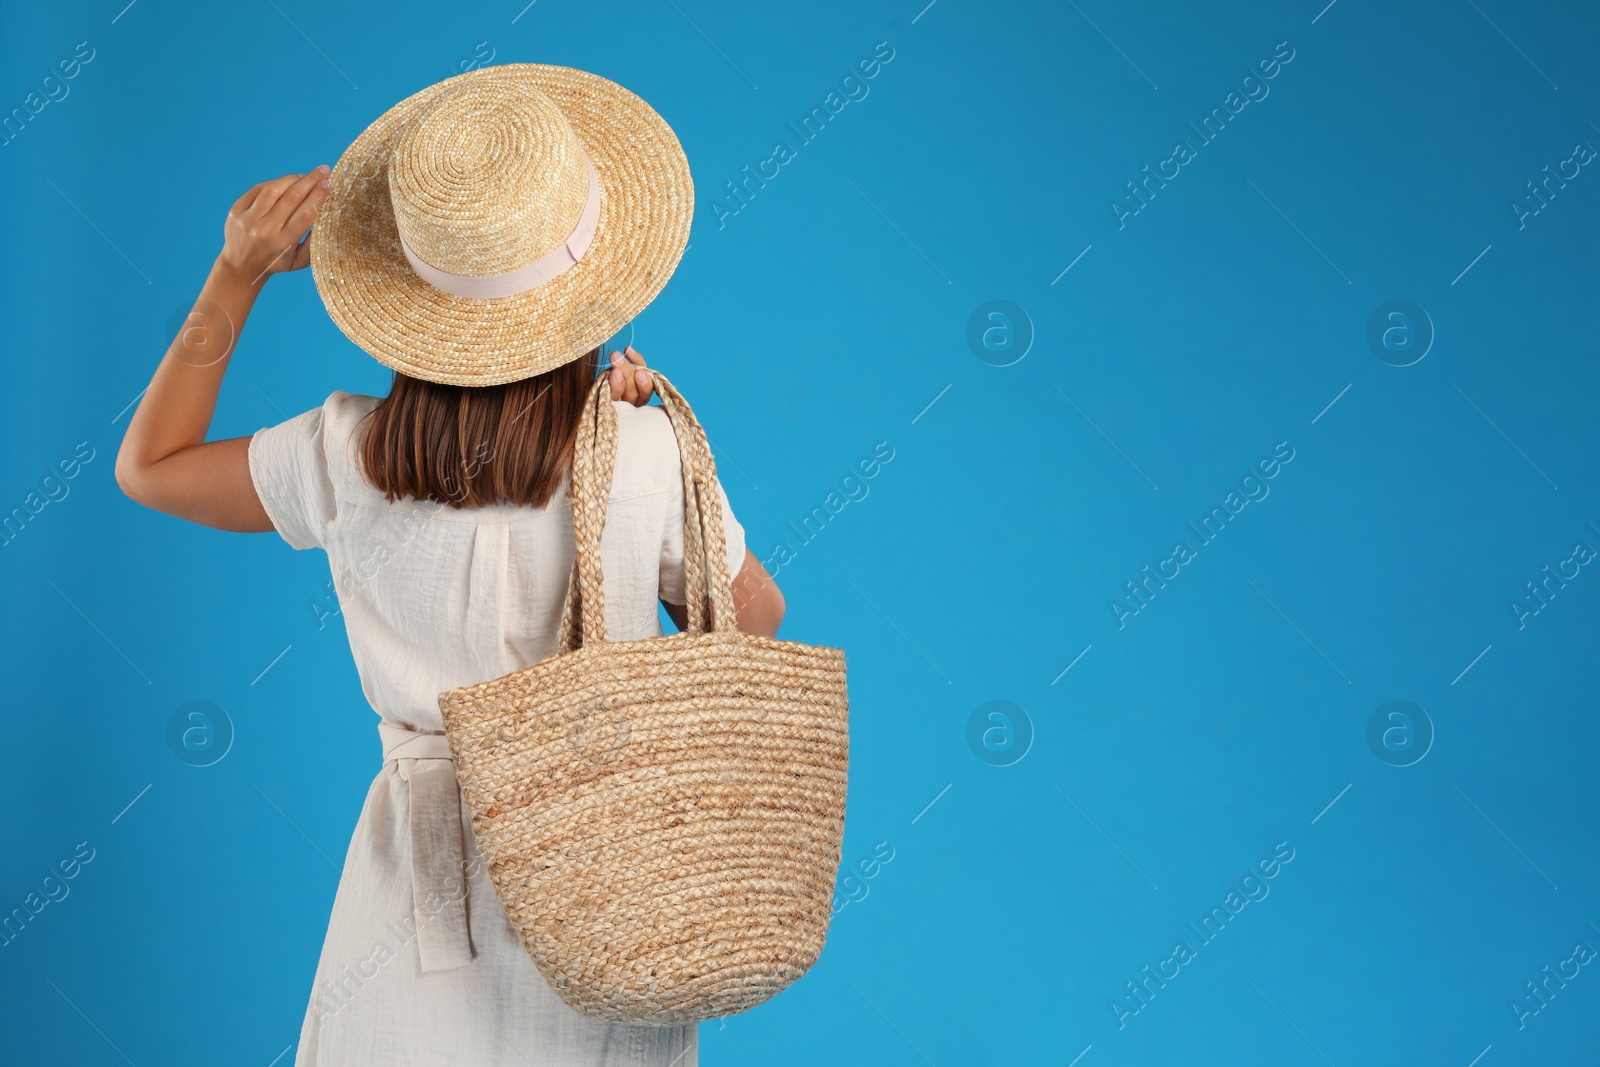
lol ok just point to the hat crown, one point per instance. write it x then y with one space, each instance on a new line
487 180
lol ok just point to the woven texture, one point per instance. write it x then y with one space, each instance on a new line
483 173
662 819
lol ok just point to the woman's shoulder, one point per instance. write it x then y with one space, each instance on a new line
330 423
341 415
346 407
647 452
343 410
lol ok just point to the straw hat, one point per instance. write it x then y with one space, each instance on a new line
500 223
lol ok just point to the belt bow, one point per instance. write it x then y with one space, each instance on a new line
438 866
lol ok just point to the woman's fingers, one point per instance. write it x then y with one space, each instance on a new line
267 227
298 204
302 253
623 387
241 205
270 193
628 378
614 377
643 383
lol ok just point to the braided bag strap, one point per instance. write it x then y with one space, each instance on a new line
708 590
707 586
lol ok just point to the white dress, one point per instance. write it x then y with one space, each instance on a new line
434 598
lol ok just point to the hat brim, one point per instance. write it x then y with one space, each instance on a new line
381 304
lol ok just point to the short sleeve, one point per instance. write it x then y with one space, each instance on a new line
672 581
290 472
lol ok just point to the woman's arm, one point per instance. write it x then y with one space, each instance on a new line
165 461
756 600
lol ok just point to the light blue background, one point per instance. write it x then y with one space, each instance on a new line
826 316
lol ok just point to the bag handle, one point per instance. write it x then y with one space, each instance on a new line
708 589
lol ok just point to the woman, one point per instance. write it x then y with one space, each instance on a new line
481 237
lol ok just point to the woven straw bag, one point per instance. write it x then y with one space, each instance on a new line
661 818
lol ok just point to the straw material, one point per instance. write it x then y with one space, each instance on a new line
484 173
661 818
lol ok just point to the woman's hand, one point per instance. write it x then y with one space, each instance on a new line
266 228
628 381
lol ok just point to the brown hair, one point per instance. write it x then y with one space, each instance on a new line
470 446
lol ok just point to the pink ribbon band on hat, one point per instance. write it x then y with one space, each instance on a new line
547 267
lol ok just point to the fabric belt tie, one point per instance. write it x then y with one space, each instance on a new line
438 865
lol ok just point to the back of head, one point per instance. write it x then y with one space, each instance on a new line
471 446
